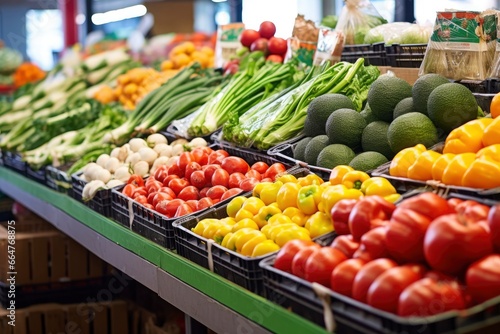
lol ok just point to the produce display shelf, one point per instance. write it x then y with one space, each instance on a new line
225 307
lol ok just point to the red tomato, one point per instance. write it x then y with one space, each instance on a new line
169 178
285 255
483 278
182 210
200 155
343 276
153 186
248 184
151 196
451 244
253 173
216 157
203 203
161 206
345 244
405 234
172 206
220 177
197 179
260 44
193 204
184 159
260 166
128 190
230 193
340 215
136 180
320 264
177 185
209 171
267 29
385 290
141 191
275 58
274 170
216 192
149 206
203 192
367 274
428 204
372 245
235 179
189 193
267 179
190 168
428 297
159 197
161 173
300 259
235 165
141 199
453 203
277 46
494 224
175 170
248 36
168 191
475 213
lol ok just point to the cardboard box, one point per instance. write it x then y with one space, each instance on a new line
107 317
408 74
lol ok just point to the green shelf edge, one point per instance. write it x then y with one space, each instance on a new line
263 312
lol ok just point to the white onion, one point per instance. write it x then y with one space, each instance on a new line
198 142
133 158
122 173
155 139
141 168
114 183
113 164
148 154
103 175
101 161
137 143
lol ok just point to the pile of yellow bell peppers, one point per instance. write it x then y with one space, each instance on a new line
289 208
470 158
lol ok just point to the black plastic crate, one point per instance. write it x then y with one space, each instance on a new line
374 54
352 316
36 175
53 292
405 55
58 180
484 100
14 162
101 203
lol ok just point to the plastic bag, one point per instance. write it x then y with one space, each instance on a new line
495 67
356 18
389 33
462 45
330 45
302 44
416 34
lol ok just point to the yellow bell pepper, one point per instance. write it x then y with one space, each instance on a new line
287 195
378 186
264 214
264 248
404 159
332 194
269 192
259 187
235 236
338 173
271 231
308 198
310 179
280 218
243 214
491 152
491 135
287 178
226 239
296 216
482 174
467 138
228 221
457 167
234 205
210 229
253 204
245 223
250 245
221 232
354 179
318 224
422 167
202 224
245 236
393 198
285 235
440 165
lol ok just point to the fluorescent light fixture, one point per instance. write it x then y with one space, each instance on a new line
219 0
119 14
80 19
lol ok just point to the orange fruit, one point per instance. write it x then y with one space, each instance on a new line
495 106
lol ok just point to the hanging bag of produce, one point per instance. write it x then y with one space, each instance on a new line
462 45
356 18
495 68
